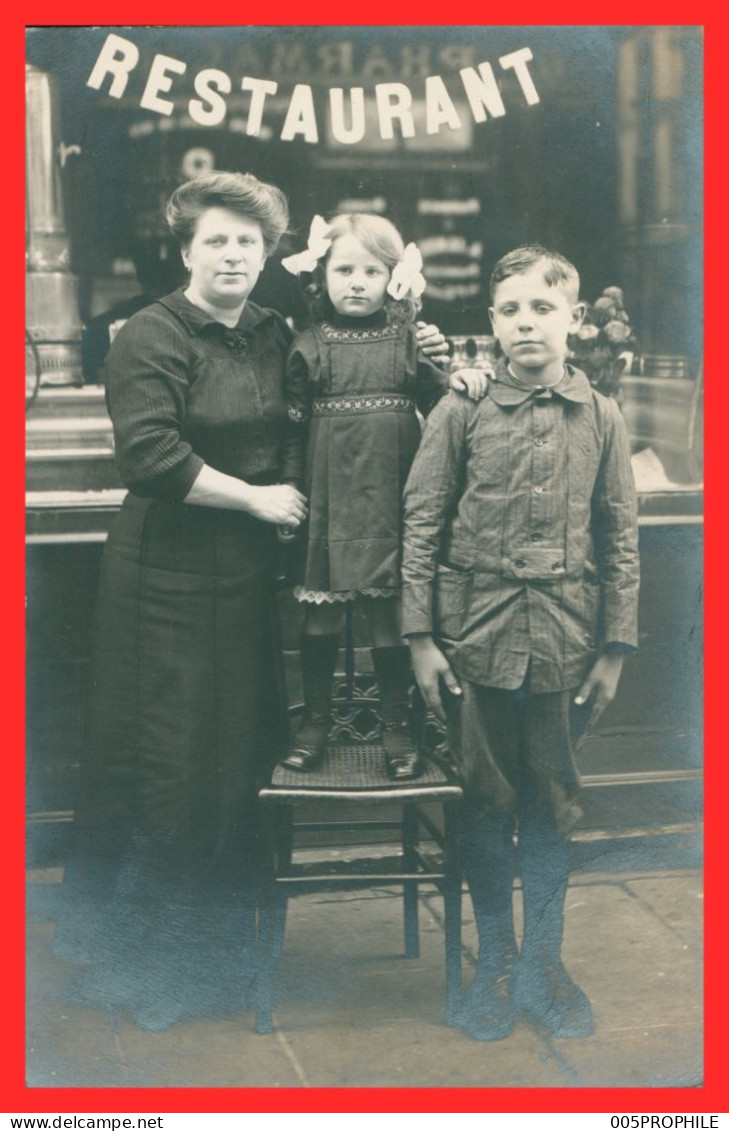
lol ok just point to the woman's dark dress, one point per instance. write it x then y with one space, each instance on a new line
189 704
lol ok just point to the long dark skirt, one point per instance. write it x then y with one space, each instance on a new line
188 716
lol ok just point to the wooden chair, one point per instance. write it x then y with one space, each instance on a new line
352 778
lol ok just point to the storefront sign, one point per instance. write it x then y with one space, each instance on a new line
347 120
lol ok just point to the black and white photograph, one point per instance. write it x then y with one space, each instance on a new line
364 515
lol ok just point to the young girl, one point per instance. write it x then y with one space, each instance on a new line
355 378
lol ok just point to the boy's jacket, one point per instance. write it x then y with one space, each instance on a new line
521 537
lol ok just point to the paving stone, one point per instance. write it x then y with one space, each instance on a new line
351 1011
67 1045
366 1017
643 979
224 1053
678 901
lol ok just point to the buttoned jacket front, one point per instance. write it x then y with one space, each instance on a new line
520 538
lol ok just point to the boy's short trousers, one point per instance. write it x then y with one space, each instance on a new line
517 748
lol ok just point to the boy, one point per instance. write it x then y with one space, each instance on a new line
520 588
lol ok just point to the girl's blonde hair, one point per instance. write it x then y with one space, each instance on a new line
382 239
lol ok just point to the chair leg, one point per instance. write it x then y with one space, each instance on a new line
452 907
278 924
267 916
410 887
283 833
263 997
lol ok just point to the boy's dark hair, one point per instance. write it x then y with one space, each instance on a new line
558 271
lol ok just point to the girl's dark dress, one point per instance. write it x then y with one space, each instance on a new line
189 704
357 382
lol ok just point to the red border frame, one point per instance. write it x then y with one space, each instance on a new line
713 1096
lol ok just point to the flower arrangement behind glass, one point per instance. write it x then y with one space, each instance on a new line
603 345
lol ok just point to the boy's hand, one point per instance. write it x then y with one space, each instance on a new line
430 667
473 382
602 682
431 341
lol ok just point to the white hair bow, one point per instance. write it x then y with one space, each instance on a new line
317 245
407 275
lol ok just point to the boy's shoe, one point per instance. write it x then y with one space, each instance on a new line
308 748
487 1012
402 760
544 991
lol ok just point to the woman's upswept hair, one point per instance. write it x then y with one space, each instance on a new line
558 271
240 192
382 239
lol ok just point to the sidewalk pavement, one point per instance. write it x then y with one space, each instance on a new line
353 1013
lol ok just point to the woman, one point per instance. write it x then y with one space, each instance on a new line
189 705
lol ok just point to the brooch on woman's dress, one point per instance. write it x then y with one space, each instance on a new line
235 339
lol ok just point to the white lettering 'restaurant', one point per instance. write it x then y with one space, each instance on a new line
348 120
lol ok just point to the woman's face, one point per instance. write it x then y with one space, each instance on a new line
224 257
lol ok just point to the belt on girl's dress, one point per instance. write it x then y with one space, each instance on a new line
363 402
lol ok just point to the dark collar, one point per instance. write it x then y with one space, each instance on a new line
574 387
196 319
348 322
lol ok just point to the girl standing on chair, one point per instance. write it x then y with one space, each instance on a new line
355 379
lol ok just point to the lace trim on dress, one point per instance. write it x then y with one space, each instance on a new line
321 597
365 402
345 334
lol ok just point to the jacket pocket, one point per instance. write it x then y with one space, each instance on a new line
452 594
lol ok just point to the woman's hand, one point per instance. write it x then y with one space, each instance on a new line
280 504
473 382
431 341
